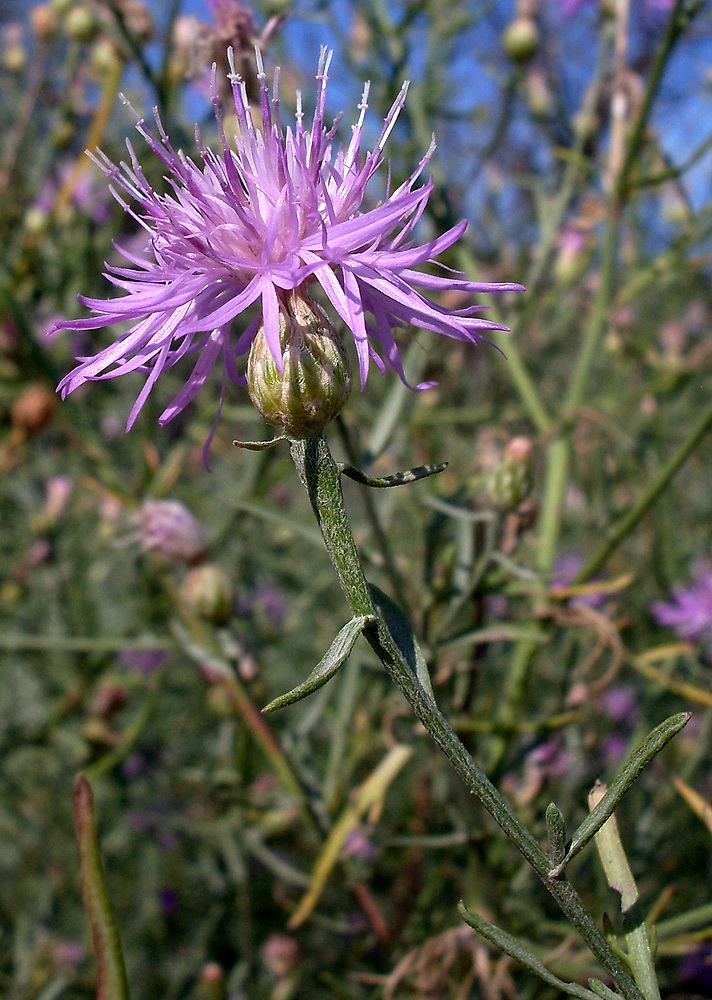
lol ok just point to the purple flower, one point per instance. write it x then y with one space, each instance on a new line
245 226
168 528
689 613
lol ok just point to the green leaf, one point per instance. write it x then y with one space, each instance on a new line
325 669
399 479
601 990
556 833
637 761
515 949
403 635
111 972
259 445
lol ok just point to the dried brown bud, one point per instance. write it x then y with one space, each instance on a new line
34 408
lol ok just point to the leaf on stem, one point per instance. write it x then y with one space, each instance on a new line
556 833
404 637
639 950
518 951
111 973
260 445
601 990
637 761
325 669
398 479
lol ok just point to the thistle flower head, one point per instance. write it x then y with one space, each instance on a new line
278 209
169 529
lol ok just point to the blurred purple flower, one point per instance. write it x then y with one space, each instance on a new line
613 749
143 661
168 901
281 210
689 613
696 970
565 569
169 529
620 703
359 845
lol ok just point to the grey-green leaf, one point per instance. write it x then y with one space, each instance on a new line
637 761
403 636
516 950
399 479
325 669
259 445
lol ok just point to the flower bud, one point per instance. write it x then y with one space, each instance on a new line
104 58
315 381
169 529
34 408
510 480
280 955
211 984
207 593
520 39
45 21
80 24
12 48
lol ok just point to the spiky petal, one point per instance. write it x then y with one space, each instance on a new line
278 209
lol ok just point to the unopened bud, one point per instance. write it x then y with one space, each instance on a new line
315 380
207 593
211 984
80 24
280 954
169 529
105 58
571 259
520 39
12 48
34 408
510 480
58 491
45 21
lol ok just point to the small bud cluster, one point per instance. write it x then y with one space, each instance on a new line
169 530
510 479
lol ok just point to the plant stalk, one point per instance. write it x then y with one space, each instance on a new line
321 479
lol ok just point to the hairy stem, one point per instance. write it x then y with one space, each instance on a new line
321 479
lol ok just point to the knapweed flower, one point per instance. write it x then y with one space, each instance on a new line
689 613
168 528
280 212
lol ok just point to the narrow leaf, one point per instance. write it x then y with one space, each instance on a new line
516 950
601 990
259 445
111 973
399 479
613 857
404 637
637 761
639 953
556 833
325 669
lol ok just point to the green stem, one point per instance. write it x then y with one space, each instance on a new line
626 524
551 223
111 973
559 449
321 479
